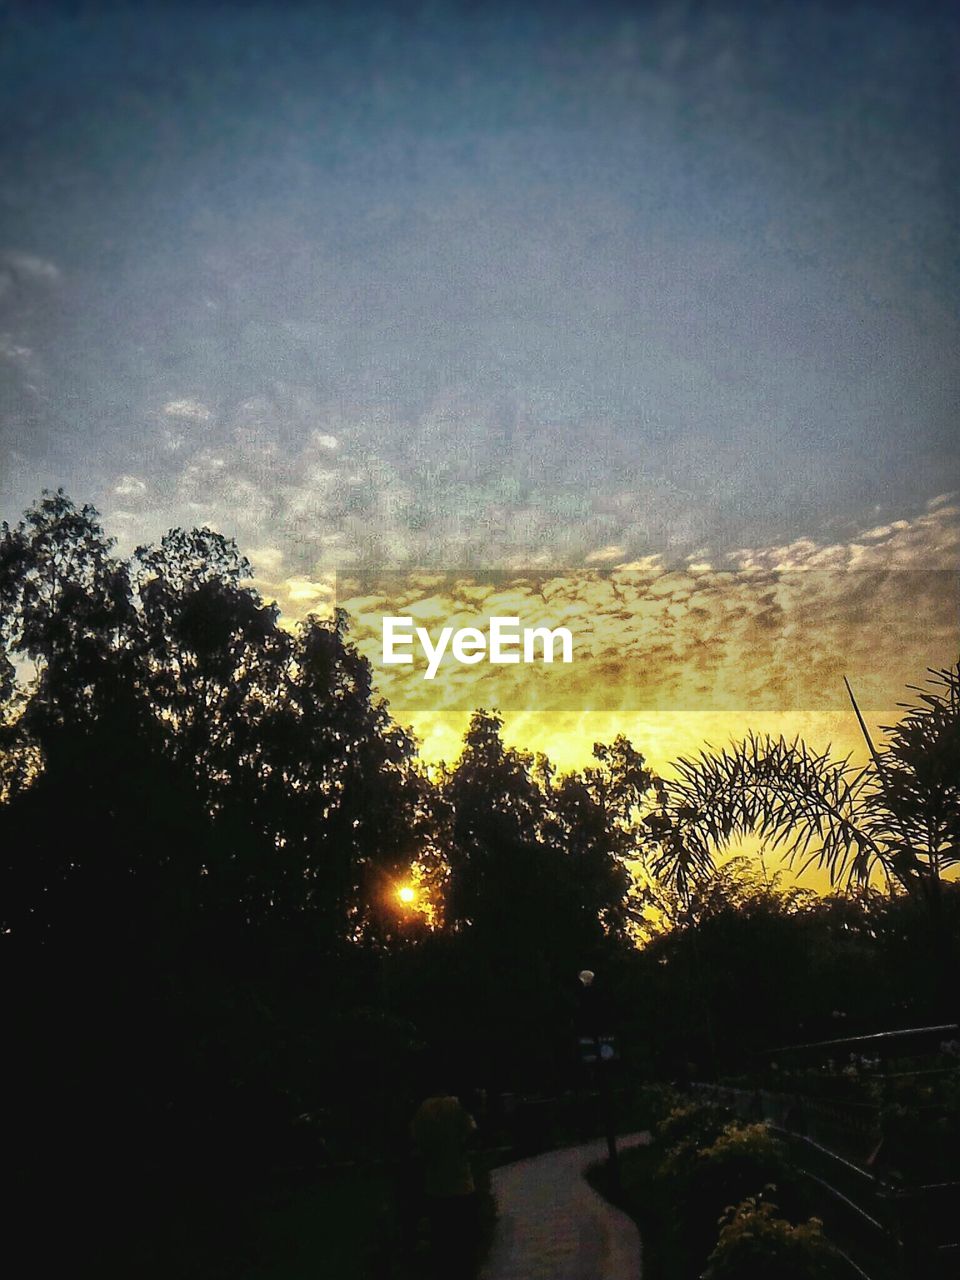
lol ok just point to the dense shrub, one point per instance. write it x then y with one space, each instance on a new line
757 1244
715 1165
654 1102
743 1160
687 1130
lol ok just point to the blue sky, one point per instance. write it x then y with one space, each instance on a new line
461 285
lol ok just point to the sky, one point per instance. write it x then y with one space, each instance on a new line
550 288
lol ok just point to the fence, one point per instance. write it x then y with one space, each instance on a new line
909 1231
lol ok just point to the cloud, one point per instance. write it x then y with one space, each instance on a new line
342 485
29 266
187 409
13 351
699 647
129 487
764 626
361 488
306 594
605 555
671 626
296 596
265 560
930 540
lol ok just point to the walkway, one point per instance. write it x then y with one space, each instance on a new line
553 1226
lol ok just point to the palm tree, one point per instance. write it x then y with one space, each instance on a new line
898 815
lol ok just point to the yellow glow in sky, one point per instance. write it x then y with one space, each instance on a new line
682 659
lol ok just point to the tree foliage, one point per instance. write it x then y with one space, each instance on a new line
899 815
204 819
170 664
756 1243
529 851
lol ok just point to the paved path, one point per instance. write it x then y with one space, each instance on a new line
552 1225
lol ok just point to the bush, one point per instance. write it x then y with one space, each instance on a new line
757 1244
678 1199
685 1132
652 1103
920 1124
743 1160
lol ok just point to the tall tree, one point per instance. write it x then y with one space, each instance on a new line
306 791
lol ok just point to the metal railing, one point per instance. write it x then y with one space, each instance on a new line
906 1231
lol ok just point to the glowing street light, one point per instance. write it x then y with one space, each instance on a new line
407 894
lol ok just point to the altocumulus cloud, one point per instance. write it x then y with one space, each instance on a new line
762 630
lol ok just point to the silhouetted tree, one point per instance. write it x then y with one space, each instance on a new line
200 816
744 963
204 819
534 857
539 887
899 814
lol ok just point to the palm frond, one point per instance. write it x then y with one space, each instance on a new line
804 803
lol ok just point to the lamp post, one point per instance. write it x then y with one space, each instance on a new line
586 978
